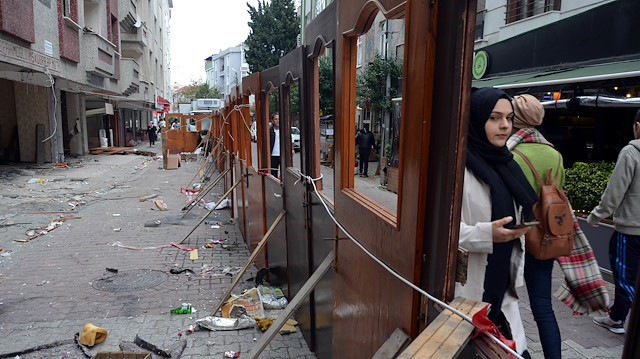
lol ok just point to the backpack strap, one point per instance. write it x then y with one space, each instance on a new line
535 173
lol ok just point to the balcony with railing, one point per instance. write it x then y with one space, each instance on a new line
522 9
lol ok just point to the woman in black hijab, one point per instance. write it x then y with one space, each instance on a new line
496 198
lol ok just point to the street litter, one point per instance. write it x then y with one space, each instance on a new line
178 271
191 329
250 302
231 354
142 199
116 214
171 244
272 297
184 309
223 204
155 223
219 323
117 229
161 205
92 335
37 180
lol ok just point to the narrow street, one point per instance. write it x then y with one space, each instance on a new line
54 284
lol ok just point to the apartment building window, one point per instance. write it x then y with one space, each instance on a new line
480 24
522 9
66 8
92 17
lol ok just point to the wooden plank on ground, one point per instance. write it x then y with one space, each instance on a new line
392 347
447 334
461 335
426 334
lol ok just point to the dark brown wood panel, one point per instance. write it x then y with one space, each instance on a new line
370 301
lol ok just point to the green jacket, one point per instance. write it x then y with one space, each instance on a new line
542 157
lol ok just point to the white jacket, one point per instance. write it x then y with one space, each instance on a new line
476 237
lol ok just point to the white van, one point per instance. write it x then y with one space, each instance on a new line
295 138
254 138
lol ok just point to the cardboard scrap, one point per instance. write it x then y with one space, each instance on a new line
144 198
161 205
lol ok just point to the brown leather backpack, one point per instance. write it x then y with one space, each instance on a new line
553 236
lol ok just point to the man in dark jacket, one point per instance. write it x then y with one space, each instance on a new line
365 142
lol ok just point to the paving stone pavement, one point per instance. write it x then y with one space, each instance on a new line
46 289
46 285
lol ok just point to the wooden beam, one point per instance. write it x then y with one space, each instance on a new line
211 210
203 163
253 256
392 347
304 292
205 190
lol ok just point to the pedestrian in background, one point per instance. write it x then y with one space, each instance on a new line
528 114
365 142
274 143
496 196
152 132
621 198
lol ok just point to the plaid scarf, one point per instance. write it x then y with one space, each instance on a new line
526 135
583 289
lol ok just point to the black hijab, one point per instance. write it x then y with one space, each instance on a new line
495 165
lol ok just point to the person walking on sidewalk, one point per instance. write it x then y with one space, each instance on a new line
152 132
620 198
365 142
496 196
528 114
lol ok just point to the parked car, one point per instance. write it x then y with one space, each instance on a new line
295 137
254 138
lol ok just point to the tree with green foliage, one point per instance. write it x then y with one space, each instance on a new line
325 84
196 90
274 28
371 85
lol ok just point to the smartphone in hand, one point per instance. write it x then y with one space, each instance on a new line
525 224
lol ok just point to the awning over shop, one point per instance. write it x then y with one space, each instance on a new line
609 71
166 106
593 101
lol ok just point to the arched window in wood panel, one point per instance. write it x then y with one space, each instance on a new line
377 116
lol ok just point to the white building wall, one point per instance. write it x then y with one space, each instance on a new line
227 69
495 29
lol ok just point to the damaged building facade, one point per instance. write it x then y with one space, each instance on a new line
75 71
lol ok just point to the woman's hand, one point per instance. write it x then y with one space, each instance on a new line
501 234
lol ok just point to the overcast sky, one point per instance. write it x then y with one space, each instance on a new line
201 28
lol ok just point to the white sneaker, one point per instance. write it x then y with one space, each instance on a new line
614 326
